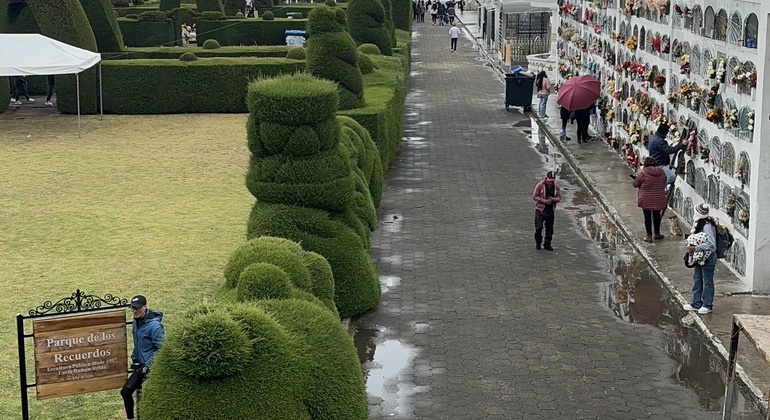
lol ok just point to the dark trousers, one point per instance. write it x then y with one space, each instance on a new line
652 221
453 45
582 128
543 218
51 87
133 383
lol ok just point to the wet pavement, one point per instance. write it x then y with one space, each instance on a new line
474 323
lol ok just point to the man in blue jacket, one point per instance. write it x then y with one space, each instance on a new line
661 151
148 335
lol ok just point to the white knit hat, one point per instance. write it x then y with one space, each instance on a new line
701 211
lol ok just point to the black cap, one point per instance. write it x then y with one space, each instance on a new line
138 301
549 175
663 129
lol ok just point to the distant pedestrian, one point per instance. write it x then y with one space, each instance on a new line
461 4
20 89
421 11
547 193
702 298
434 12
651 197
583 118
454 32
543 91
450 11
565 116
249 8
51 87
441 14
661 151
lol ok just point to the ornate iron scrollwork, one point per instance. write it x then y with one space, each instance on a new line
77 302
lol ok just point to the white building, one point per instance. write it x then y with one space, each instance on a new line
513 29
700 65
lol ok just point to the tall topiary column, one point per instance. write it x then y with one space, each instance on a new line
309 185
367 24
387 5
104 24
332 55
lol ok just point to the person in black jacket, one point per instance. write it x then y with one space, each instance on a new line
583 118
565 116
661 151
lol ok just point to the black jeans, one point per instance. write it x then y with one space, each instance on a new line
453 45
133 383
652 221
582 128
543 218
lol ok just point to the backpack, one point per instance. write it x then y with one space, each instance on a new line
724 237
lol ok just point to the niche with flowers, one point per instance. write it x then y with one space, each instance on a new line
743 169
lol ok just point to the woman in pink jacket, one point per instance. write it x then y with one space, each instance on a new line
543 90
651 181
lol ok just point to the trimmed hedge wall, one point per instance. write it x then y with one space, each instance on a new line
247 31
173 86
104 24
5 92
146 33
402 14
282 11
209 6
171 53
270 359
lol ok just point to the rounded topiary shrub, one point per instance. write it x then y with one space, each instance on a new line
341 16
296 53
331 55
330 3
212 15
370 49
268 15
367 24
152 16
271 359
119 3
188 56
211 44
365 63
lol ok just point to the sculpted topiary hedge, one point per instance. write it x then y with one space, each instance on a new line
312 184
270 359
248 31
367 24
104 24
332 55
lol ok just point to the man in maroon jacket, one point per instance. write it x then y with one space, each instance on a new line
547 193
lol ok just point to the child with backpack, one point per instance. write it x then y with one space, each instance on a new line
707 243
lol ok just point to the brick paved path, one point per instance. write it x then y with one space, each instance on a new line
484 326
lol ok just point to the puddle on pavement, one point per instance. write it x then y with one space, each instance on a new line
383 362
635 296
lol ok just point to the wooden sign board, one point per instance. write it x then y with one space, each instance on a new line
80 354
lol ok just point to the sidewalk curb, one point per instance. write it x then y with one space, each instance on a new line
747 388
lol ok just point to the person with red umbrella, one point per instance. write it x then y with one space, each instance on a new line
578 94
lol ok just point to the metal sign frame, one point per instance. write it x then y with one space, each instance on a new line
77 302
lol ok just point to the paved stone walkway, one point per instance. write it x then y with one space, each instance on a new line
480 324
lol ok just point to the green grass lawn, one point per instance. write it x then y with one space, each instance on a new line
139 204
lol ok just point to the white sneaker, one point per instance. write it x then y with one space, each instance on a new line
30 100
688 307
16 103
49 103
704 310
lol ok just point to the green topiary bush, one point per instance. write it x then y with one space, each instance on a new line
120 3
309 183
296 53
367 24
268 15
273 359
188 56
369 49
212 15
388 7
331 55
330 3
211 44
132 16
210 6
101 17
152 16
342 16
166 5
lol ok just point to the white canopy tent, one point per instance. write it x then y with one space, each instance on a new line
35 54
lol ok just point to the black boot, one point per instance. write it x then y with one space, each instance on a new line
537 246
547 247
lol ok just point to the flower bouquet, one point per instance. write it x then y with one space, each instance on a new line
632 43
684 64
752 79
704 154
660 83
655 44
711 97
721 70
711 69
750 118
743 216
731 118
730 205
739 77
715 115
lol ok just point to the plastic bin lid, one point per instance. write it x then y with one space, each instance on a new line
294 32
516 69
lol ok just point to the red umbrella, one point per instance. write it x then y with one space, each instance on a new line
579 92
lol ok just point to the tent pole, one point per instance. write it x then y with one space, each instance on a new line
101 94
77 79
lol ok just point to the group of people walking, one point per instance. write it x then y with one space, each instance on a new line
441 12
20 88
581 116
